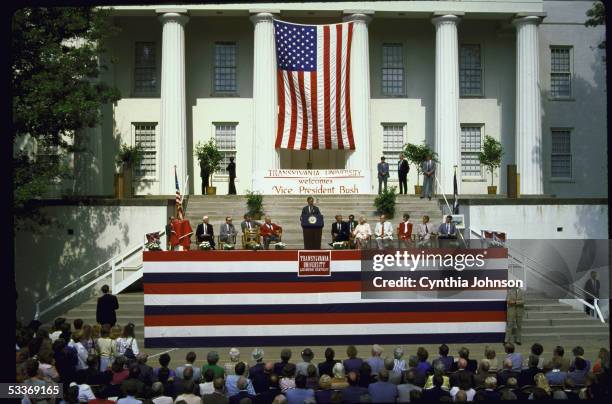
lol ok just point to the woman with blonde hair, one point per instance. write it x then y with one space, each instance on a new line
106 348
115 332
541 382
362 233
339 380
86 338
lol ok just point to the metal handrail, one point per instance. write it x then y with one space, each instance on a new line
117 259
593 306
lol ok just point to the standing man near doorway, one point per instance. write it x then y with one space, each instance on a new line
231 170
204 174
402 172
428 167
383 174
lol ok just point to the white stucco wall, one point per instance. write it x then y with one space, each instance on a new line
48 257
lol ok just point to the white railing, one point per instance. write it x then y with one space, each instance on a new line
529 263
115 268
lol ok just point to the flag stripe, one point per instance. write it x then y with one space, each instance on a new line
314 112
338 97
281 108
347 88
326 86
304 108
294 115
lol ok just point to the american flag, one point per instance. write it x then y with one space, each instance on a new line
314 110
179 197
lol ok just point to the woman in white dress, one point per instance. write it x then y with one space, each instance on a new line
362 233
127 340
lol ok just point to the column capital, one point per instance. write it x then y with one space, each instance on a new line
527 20
364 16
178 16
263 15
445 19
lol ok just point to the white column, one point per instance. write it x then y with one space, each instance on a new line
447 130
264 155
173 122
528 108
360 158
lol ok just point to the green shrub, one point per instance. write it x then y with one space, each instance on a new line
385 202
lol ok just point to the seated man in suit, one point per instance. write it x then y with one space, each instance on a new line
424 232
339 231
383 232
205 232
351 223
248 223
448 229
227 233
270 232
404 232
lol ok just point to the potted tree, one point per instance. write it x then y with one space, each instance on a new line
416 154
490 157
208 154
385 202
255 204
127 159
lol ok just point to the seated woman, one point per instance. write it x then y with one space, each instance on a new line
362 233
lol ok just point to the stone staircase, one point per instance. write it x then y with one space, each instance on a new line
285 211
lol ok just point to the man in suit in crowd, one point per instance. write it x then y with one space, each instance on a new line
227 232
428 168
270 232
383 174
383 232
591 287
404 232
436 392
105 310
447 229
205 232
403 168
352 223
248 223
218 396
340 230
383 391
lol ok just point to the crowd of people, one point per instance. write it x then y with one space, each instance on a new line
103 364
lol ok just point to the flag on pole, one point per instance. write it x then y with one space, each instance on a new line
455 194
313 70
179 197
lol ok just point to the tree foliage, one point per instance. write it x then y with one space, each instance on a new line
54 66
596 16
209 155
491 155
416 154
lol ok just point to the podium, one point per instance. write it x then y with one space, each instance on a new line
312 228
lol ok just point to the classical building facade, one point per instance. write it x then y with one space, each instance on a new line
448 73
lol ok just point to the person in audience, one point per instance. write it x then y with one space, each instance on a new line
157 394
399 364
302 367
130 393
448 228
242 391
425 230
438 369
515 357
326 367
77 324
365 375
353 363
461 396
312 380
352 392
105 347
56 329
180 384
248 223
446 359
218 394
280 399
163 376
339 231
490 392
300 392
462 367
95 334
81 350
189 393
541 384
133 383
383 391
404 390
423 366
481 373
146 372
375 361
287 380
506 372
86 336
436 392
257 373
46 364
207 386
464 383
106 307
211 363
274 390
404 232
578 352
556 376
127 340
65 361
537 349
324 393
602 363
569 391
383 232
526 376
270 232
352 224
119 371
231 381
164 361
559 352
491 356
234 355
394 377
92 374
285 356
362 233
339 380
205 232
579 372
227 231
190 358
116 331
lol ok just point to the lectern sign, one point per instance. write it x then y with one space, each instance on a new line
314 263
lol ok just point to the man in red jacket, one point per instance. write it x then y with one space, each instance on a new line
270 232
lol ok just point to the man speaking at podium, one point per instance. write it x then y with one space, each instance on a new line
312 225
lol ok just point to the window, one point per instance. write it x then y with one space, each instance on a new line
393 143
561 154
470 71
560 72
225 136
392 69
145 81
225 67
144 135
470 147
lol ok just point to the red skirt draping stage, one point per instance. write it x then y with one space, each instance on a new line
262 298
